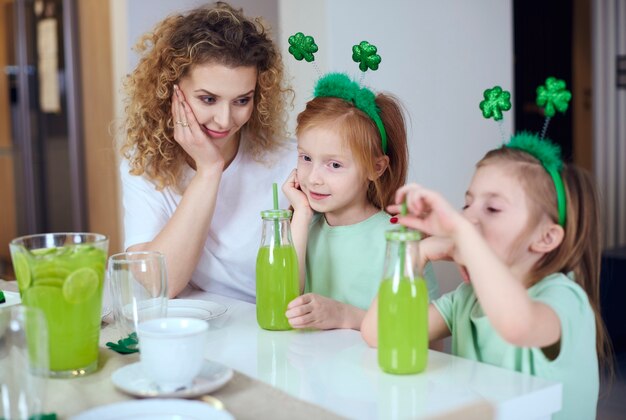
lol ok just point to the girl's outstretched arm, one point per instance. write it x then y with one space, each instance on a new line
437 328
503 297
302 214
518 319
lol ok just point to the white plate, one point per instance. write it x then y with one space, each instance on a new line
12 298
155 410
130 379
193 308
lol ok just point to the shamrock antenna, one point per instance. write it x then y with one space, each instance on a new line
495 103
552 97
303 47
366 55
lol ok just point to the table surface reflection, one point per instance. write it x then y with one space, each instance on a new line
338 371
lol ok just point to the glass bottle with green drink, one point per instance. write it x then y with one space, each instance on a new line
402 307
277 273
63 275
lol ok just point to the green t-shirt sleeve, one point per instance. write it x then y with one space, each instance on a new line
571 304
431 282
445 306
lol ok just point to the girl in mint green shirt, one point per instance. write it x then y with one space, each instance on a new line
528 246
352 157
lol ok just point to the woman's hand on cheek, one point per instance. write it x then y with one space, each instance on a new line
191 137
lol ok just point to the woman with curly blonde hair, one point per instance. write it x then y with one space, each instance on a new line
204 141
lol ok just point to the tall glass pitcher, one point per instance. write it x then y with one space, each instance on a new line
277 273
402 307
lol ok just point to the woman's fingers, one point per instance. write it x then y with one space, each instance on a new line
181 124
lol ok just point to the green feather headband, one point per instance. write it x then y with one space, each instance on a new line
339 85
552 97
549 154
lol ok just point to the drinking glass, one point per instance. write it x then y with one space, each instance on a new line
23 362
63 275
138 288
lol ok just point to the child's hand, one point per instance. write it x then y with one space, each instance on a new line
437 248
291 189
429 211
315 311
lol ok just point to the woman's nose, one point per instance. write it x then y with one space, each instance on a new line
222 115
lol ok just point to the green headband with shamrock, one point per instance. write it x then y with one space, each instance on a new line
338 85
552 97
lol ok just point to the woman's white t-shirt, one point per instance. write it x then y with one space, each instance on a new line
228 259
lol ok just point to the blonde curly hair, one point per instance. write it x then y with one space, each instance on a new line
217 34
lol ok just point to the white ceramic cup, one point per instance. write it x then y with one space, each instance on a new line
172 351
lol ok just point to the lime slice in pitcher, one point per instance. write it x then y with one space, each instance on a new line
80 285
49 281
22 271
50 269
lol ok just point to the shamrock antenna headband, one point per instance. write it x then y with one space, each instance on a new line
339 85
552 97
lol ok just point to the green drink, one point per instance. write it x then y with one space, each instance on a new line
63 275
403 326
402 306
276 285
277 271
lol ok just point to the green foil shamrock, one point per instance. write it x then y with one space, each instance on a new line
125 345
496 101
365 55
553 96
302 46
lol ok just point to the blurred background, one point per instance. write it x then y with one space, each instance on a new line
63 62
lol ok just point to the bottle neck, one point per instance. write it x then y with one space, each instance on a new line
276 232
402 260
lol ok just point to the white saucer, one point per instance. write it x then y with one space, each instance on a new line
131 380
12 298
155 409
194 308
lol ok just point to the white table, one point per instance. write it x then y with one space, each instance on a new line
338 371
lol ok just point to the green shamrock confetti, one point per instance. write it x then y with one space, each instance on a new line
48 416
125 345
496 101
365 55
302 46
553 96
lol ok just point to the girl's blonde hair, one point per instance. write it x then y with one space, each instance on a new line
580 250
211 34
363 137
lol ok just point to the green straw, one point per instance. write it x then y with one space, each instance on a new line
276 227
402 245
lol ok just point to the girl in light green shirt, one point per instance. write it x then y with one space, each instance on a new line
352 157
528 246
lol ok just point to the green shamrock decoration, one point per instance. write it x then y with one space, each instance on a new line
125 345
553 96
302 46
496 101
365 55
